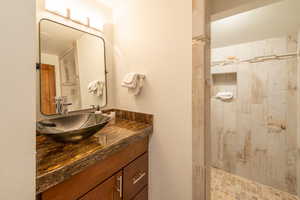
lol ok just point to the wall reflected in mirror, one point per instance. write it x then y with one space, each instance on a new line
72 69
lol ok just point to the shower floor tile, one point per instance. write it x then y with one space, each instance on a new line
226 186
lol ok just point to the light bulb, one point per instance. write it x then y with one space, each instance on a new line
57 7
96 23
77 16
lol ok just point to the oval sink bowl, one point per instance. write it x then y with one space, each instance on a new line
72 128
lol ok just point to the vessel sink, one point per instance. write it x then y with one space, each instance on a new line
72 128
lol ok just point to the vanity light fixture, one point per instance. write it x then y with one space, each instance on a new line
95 23
78 17
56 7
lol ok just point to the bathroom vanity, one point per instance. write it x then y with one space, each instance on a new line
81 155
111 165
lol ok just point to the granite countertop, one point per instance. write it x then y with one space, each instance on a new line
57 162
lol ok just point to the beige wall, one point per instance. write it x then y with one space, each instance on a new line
17 105
154 37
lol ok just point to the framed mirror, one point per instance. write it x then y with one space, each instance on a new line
72 69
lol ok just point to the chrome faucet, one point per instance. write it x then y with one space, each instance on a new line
62 105
95 108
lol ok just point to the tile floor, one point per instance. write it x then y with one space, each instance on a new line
226 186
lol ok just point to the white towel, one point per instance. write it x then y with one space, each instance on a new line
224 95
96 88
130 80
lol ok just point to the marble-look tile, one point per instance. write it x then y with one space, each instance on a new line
249 50
260 123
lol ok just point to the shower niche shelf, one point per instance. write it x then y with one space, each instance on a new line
232 69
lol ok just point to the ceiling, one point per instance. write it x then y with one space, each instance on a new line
56 39
274 20
108 3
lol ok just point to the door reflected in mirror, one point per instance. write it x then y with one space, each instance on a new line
72 69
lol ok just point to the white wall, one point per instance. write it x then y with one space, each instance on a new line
17 104
154 37
91 65
255 25
53 60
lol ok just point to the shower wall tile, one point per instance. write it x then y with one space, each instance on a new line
298 120
272 46
255 134
276 45
258 48
292 43
199 105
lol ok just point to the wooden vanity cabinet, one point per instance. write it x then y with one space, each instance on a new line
111 189
128 184
121 176
142 195
135 177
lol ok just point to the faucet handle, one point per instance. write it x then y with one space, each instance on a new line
62 104
95 107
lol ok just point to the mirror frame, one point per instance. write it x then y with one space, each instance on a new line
40 62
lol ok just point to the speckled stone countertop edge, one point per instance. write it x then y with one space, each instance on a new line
50 179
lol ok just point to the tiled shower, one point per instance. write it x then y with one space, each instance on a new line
255 150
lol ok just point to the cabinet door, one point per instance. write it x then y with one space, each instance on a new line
111 189
143 195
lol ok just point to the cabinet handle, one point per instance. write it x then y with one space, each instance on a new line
120 189
136 180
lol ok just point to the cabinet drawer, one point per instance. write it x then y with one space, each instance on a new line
135 177
109 190
143 195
